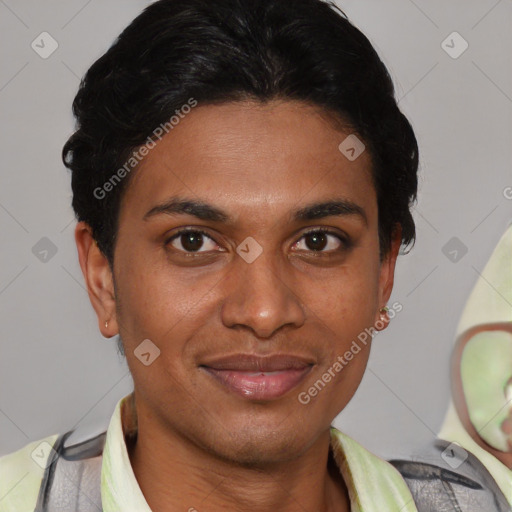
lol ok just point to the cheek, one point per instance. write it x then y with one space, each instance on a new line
164 306
344 314
347 302
151 297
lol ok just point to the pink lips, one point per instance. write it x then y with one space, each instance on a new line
257 377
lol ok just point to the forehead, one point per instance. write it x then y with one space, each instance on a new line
251 155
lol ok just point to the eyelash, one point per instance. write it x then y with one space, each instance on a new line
187 230
345 242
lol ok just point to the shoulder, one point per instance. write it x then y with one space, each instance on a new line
353 455
49 471
22 473
446 475
359 467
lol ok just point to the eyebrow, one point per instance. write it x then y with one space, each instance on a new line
204 211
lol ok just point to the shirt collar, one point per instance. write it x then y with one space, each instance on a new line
120 491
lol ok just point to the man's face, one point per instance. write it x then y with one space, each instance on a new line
306 296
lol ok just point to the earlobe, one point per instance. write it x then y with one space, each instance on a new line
98 279
383 320
387 277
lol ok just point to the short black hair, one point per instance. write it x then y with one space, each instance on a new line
218 51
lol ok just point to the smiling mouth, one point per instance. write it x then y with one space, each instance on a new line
259 378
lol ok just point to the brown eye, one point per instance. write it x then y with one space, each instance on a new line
191 240
321 241
316 241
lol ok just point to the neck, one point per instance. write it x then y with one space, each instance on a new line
175 474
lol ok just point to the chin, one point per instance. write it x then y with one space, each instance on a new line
257 446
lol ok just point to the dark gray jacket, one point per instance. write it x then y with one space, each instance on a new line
438 486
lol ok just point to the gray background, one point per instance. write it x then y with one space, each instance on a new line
58 372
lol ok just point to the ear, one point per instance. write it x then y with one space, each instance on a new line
98 279
387 276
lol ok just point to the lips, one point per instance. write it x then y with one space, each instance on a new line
259 377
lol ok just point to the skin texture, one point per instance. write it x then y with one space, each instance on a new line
199 444
458 392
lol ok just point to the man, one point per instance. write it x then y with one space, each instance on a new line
242 177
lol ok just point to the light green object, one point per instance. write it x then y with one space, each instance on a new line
489 302
491 298
486 367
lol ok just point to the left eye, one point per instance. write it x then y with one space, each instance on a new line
191 241
319 240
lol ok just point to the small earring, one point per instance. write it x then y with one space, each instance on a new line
106 324
384 311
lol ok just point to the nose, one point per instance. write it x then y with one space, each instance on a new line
260 297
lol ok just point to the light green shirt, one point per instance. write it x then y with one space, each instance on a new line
373 484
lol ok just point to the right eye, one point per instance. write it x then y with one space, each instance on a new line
190 241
